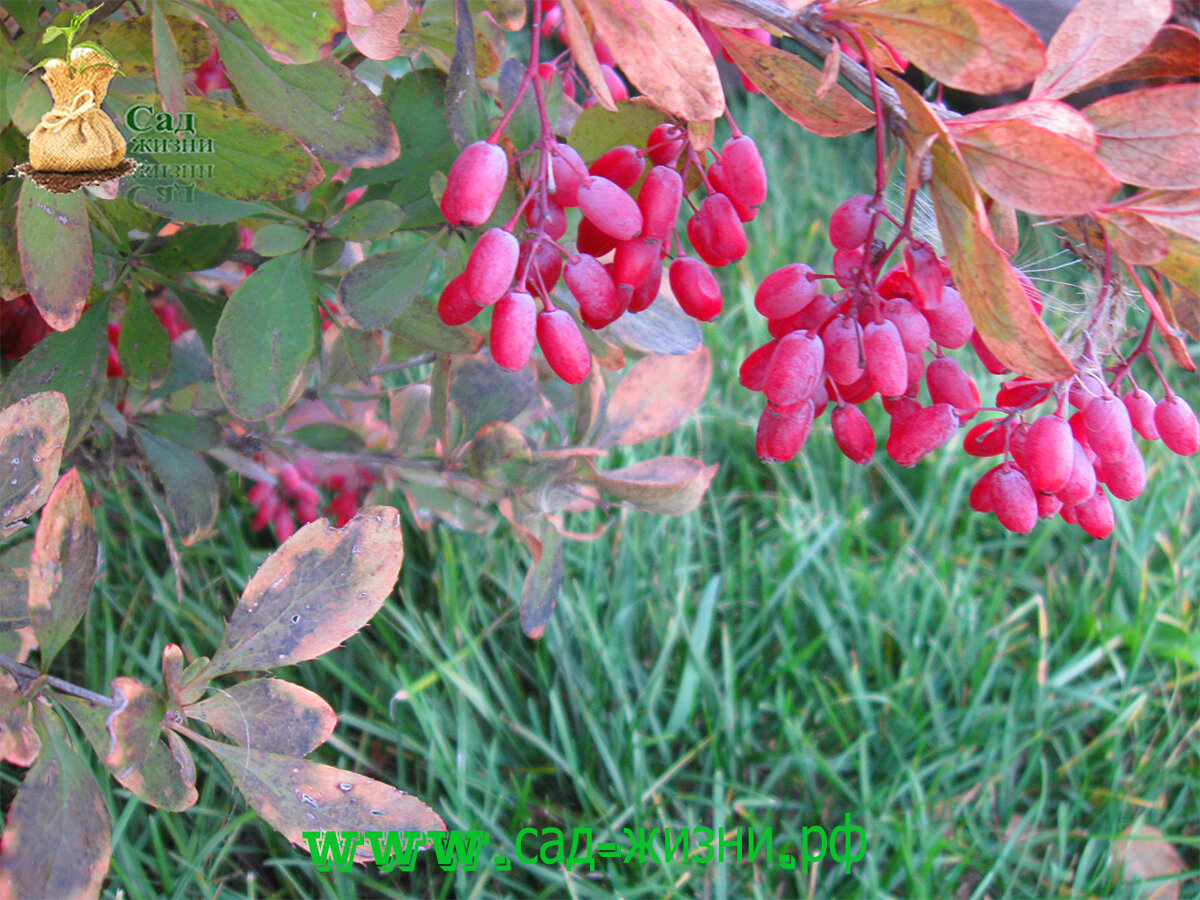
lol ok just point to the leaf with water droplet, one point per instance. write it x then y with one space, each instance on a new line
268 714
316 576
296 795
32 431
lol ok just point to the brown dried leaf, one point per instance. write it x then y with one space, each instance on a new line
57 838
1143 855
62 566
655 396
579 41
32 431
971 45
1185 307
1151 136
1096 37
268 714
1033 169
829 71
663 54
791 84
668 485
295 795
318 589
984 276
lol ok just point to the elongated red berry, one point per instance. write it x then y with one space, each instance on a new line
1081 483
1049 453
914 435
591 285
843 350
563 345
545 267
621 165
659 200
1125 479
1109 432
1095 515
696 288
1177 425
455 305
948 383
813 317
922 264
592 241
474 184
913 327
568 170
753 372
665 144
782 431
634 260
552 219
980 498
986 438
716 178
1013 500
745 174
853 433
610 208
492 265
514 329
1048 506
850 222
1141 406
716 232
883 350
647 292
950 323
796 369
847 264
785 291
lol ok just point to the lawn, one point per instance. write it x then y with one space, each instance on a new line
819 644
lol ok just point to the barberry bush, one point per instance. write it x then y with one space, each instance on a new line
454 258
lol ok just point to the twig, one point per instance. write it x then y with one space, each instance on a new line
26 674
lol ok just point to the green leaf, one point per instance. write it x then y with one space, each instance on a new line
179 202
268 714
421 330
484 392
379 289
328 437
57 833
265 339
188 483
144 346
55 245
663 328
193 249
168 70
296 796
276 239
131 41
32 432
53 31
62 566
314 592
597 130
366 221
301 31
543 584
466 117
250 159
195 432
322 103
12 282
70 362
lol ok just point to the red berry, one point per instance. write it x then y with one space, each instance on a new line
343 507
1018 394
1084 388
634 260
568 170
1049 453
986 356
1081 483
1095 514
1048 506
980 498
665 144
782 430
813 317
926 273
883 350
859 392
474 184
950 323
696 288
847 264
591 285
853 433
913 328
545 267
620 165
1109 432
592 241
552 220
843 350
647 292
455 305
616 84
796 369
285 525
986 438
948 383
918 433
492 265
1177 425
659 200
1127 478
1013 499
514 328
719 182
753 372
610 208
850 222
1141 413
563 345
716 232
744 172
785 291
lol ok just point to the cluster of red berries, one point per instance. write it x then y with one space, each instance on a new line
23 329
516 271
872 338
297 499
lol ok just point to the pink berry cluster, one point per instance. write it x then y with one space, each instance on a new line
515 269
297 498
873 336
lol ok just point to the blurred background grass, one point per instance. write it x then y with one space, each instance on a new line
818 641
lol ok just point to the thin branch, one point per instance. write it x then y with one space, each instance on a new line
26 674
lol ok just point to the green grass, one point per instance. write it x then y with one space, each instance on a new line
818 641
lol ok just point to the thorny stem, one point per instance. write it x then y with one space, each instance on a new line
26 675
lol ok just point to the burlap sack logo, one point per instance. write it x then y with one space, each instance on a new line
76 143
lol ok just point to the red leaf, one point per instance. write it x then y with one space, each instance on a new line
1096 37
1133 237
579 40
791 84
663 54
972 45
1051 115
1172 54
373 26
1151 137
983 275
1177 211
1033 169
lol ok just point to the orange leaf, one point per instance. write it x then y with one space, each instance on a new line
1151 137
983 275
1096 37
1172 54
373 26
972 45
579 40
1033 169
1051 115
791 84
1135 239
663 54
1185 307
1177 211
655 396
